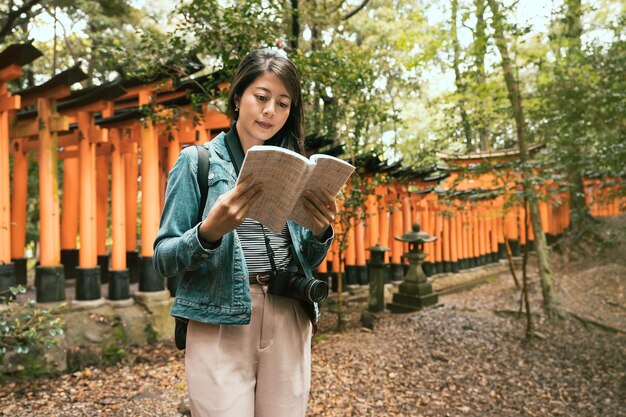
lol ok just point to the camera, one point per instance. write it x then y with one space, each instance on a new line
296 285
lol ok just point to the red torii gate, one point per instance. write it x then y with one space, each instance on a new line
12 60
88 129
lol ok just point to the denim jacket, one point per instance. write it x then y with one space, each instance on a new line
216 289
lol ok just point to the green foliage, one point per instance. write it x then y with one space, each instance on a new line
114 350
217 35
151 335
581 115
25 327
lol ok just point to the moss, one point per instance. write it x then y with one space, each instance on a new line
114 350
25 366
112 354
151 335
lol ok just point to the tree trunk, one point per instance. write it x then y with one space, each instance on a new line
574 27
458 80
295 25
54 42
480 50
579 211
515 97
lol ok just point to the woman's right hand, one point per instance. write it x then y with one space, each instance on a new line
230 210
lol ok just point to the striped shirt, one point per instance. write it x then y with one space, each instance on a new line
254 250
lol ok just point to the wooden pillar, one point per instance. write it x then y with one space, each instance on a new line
5 186
482 234
70 205
384 227
455 240
499 218
446 237
469 237
511 230
359 246
373 221
350 253
397 247
8 276
406 220
523 227
150 202
465 234
87 211
431 247
438 231
415 209
19 197
70 214
102 213
131 169
118 203
88 272
493 232
173 149
335 265
475 237
49 275
425 227
119 277
9 270
49 214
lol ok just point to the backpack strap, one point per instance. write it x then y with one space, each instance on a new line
203 177
180 328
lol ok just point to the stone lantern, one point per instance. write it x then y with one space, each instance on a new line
376 273
415 292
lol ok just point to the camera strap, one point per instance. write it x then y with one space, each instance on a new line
270 251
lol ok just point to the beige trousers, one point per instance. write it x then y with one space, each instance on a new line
258 370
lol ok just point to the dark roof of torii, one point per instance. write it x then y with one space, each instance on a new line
121 116
65 78
486 155
79 98
19 54
83 97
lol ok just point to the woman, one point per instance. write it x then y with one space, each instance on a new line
248 352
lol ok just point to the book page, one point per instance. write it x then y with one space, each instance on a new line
280 171
328 172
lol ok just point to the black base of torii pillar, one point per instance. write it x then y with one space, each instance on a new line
7 277
49 283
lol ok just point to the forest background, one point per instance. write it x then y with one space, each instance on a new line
401 80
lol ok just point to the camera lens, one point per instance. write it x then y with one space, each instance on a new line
312 290
318 291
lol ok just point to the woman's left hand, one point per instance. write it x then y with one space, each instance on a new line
322 208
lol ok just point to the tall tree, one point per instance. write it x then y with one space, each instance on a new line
458 77
579 93
579 212
479 52
515 97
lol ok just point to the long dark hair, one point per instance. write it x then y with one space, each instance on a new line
255 64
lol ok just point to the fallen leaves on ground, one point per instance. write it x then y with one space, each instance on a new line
457 359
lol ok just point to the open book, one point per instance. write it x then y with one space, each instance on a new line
285 175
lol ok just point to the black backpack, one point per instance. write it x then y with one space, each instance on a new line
180 329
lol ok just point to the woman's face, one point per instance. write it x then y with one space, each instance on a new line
263 110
